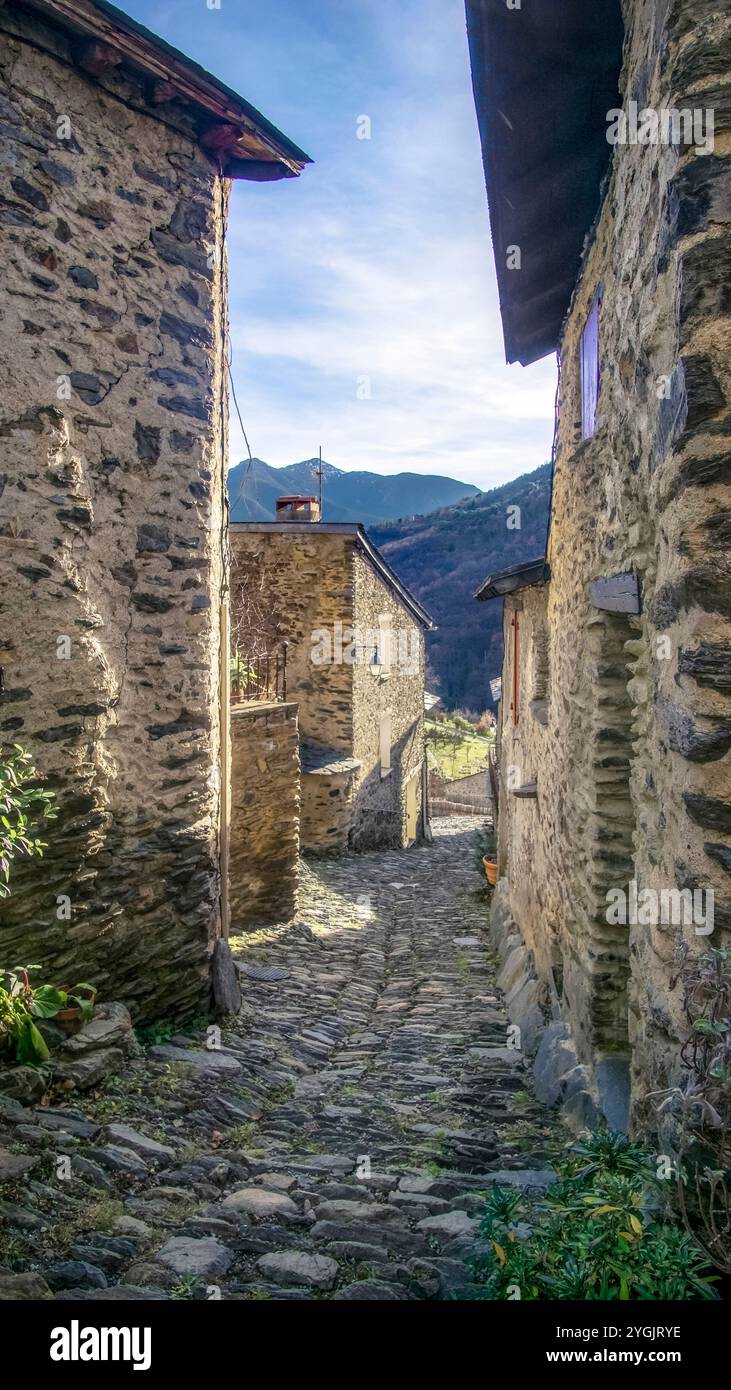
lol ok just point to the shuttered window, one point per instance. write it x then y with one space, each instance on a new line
590 371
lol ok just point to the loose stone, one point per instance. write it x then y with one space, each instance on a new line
298 1267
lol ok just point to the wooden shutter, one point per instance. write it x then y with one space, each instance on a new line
515 701
590 371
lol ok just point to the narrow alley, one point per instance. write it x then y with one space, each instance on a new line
334 1143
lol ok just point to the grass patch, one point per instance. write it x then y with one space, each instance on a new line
456 751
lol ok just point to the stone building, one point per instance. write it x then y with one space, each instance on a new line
117 153
354 667
606 134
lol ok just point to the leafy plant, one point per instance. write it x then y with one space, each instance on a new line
599 1234
186 1287
242 675
155 1033
485 844
23 804
700 1108
21 1003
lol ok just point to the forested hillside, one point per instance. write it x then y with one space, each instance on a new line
445 556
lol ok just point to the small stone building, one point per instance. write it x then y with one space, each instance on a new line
117 153
606 133
354 640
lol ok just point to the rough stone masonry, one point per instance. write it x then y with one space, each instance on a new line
619 719
112 520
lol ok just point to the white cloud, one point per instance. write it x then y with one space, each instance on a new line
375 262
422 326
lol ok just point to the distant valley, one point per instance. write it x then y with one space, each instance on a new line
366 497
445 556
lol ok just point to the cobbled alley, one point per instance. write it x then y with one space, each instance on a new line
335 1142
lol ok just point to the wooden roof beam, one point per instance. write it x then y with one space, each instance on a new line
97 58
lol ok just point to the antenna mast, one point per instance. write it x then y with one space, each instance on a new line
319 474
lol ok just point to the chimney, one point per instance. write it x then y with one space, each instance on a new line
298 509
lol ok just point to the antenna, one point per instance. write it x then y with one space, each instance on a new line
319 474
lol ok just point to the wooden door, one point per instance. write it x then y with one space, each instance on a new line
413 799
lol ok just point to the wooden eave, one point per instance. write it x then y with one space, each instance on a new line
508 581
544 75
230 129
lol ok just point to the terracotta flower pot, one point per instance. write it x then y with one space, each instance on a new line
490 869
69 1020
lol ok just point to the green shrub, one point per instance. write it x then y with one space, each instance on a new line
602 1232
486 843
21 1003
23 804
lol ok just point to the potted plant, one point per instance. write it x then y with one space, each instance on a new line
490 863
77 1007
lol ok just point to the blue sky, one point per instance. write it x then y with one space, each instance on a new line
377 262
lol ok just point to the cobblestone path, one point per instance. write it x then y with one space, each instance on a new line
335 1145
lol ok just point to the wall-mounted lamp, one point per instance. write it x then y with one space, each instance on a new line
375 665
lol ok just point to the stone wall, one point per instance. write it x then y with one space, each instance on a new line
327 812
633 764
306 582
111 523
531 848
379 816
265 803
452 795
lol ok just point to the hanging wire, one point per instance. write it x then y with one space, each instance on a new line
238 412
250 464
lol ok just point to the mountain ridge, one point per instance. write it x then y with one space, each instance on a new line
347 496
444 556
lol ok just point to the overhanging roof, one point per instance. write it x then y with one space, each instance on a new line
366 546
507 581
244 142
544 77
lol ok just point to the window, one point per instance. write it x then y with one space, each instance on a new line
515 695
384 742
590 370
